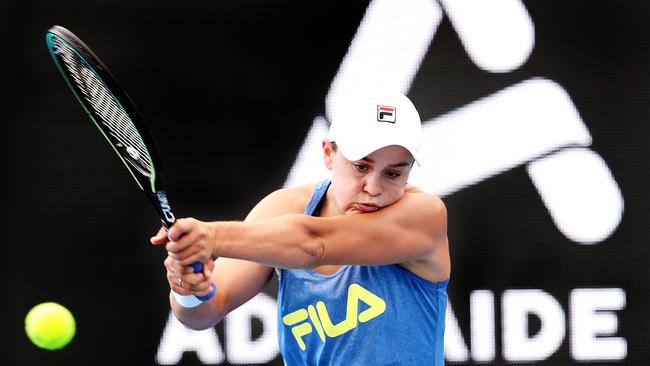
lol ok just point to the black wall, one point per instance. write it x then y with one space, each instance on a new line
229 90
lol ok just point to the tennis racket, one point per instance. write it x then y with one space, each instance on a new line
116 117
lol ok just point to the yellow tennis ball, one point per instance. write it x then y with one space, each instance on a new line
50 325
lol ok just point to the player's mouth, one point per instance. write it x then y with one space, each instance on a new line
366 207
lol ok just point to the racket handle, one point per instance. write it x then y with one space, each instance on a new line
198 267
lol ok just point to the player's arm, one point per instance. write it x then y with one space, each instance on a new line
237 280
412 229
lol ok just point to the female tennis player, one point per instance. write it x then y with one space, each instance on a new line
362 259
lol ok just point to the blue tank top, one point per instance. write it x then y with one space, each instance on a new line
359 315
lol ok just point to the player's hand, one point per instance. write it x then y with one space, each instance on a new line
190 241
184 281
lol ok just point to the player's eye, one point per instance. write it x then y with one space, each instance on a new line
361 167
391 174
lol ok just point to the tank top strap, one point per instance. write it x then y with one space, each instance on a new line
316 201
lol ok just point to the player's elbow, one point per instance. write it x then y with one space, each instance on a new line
203 317
314 250
309 245
198 323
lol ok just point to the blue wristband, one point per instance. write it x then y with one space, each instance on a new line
191 301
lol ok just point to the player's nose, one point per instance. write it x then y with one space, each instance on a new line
372 185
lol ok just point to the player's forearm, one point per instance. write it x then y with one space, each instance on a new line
288 241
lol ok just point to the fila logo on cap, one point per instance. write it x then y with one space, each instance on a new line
386 114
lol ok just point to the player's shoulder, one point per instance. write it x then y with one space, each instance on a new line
420 197
283 201
428 208
294 198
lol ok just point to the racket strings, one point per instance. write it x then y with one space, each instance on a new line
111 114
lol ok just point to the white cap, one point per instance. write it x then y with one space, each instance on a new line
367 121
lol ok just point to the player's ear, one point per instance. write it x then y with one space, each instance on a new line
328 151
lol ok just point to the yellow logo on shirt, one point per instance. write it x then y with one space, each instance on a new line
320 318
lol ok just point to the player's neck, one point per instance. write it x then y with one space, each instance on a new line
329 208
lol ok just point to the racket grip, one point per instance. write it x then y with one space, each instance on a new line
198 267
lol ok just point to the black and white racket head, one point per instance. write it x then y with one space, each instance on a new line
108 106
112 111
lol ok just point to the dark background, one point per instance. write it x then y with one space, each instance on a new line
205 75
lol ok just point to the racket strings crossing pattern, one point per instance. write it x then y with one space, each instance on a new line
110 113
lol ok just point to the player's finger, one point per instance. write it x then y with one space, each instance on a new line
204 292
159 238
172 266
178 246
175 270
168 263
180 228
183 254
199 256
195 237
192 279
208 267
179 290
202 288
176 285
184 269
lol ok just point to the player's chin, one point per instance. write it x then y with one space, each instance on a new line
353 211
356 211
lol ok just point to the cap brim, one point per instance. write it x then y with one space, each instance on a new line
358 151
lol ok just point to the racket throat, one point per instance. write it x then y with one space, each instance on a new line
159 199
